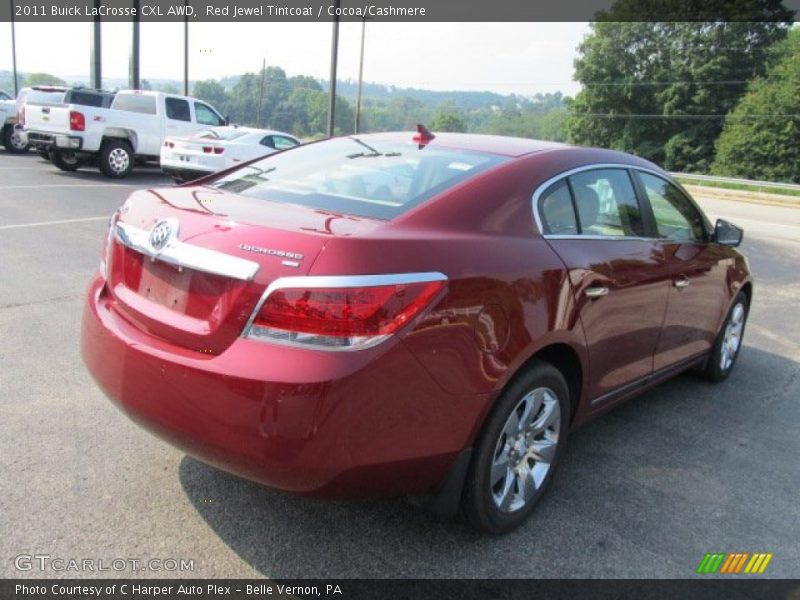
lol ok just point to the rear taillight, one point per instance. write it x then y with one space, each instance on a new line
77 122
169 145
207 149
107 247
341 312
21 115
219 150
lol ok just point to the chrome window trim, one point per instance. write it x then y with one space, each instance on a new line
543 187
189 256
342 281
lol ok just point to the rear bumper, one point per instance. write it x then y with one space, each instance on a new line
184 174
46 139
336 424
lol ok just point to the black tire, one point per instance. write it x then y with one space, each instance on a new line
718 367
44 153
481 497
116 159
66 161
12 141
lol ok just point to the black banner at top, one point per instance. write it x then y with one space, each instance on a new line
399 10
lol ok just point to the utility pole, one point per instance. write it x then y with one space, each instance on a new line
261 92
360 75
14 50
97 51
185 50
134 64
334 60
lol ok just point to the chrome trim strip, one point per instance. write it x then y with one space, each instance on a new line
189 256
341 281
543 188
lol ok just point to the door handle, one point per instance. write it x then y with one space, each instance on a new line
681 283
596 291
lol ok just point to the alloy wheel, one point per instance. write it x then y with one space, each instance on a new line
525 450
732 338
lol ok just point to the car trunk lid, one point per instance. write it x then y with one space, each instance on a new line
200 288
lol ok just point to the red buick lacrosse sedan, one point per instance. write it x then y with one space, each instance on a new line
409 314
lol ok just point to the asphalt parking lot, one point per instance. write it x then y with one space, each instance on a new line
644 491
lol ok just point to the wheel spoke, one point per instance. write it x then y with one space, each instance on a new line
544 450
511 427
506 496
526 483
549 417
500 468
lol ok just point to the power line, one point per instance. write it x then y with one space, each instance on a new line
697 117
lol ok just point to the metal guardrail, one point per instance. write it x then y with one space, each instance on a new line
750 182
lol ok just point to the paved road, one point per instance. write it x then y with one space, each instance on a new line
643 492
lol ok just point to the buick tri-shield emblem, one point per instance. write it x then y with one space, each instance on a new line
162 233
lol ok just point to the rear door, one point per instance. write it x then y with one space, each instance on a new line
593 220
695 269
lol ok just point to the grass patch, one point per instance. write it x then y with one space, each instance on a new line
743 187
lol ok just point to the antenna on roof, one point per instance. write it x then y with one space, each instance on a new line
423 135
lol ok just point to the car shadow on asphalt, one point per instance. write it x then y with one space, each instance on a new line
641 492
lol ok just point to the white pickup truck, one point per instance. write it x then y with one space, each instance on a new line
132 129
10 135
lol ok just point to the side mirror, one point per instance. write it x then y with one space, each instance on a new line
227 120
727 234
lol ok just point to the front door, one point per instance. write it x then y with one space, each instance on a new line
697 274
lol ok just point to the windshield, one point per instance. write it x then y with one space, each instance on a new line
353 176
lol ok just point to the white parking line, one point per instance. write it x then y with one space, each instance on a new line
65 185
61 222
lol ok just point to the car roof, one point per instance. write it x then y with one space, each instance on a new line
490 144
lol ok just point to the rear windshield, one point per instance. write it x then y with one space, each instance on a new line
88 98
221 134
357 177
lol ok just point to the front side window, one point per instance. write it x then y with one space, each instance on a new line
206 116
177 109
360 177
675 216
606 203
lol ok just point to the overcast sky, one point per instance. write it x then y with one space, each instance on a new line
523 58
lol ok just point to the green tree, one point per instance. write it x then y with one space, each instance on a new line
660 89
447 121
761 137
43 79
212 92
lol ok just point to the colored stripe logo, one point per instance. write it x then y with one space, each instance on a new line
734 563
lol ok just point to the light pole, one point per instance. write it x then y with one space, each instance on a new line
14 50
334 60
360 75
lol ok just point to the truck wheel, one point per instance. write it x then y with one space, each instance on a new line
116 159
13 140
66 161
44 153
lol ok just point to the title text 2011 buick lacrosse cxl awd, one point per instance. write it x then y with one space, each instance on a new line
408 314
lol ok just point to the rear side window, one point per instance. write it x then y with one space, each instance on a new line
557 211
137 103
281 142
356 176
177 109
4 96
606 203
